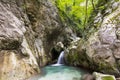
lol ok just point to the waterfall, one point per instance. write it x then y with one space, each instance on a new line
60 59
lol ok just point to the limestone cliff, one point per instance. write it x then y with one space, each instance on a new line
29 29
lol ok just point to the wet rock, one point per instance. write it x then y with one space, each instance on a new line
87 77
100 76
117 78
55 52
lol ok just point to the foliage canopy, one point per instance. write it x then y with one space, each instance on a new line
76 12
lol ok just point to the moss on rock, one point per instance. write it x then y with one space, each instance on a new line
107 78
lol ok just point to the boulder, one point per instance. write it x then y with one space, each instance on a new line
100 76
87 77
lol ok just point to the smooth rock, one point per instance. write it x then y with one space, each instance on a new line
100 76
13 66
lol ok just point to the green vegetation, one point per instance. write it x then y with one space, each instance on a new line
107 78
75 13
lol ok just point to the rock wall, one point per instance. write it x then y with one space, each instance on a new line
100 50
29 29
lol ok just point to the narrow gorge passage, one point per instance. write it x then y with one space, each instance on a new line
56 39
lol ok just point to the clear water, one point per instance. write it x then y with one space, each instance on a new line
61 73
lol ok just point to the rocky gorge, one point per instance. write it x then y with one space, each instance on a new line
32 34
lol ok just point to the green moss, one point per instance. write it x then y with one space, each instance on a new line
107 78
101 66
117 0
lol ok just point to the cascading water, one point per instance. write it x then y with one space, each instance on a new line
59 71
60 59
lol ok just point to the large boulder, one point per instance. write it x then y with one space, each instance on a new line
100 76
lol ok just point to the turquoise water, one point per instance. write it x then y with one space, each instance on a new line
61 73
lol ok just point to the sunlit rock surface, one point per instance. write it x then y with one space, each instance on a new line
100 76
